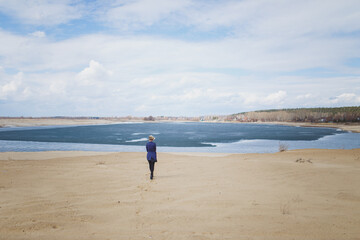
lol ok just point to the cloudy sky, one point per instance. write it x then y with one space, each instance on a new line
178 57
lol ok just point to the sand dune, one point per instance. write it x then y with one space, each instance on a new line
302 194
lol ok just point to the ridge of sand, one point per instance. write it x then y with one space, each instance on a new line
299 194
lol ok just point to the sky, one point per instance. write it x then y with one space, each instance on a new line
178 57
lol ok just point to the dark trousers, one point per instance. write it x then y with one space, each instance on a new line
151 166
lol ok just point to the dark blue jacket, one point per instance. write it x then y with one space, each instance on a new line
151 151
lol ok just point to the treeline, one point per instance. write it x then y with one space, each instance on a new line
338 114
150 118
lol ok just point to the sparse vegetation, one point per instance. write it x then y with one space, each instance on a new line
150 118
337 115
300 160
285 208
283 147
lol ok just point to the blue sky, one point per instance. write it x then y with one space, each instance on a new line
156 57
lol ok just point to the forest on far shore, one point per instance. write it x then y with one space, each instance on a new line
326 115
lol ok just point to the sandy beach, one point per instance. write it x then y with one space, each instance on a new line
300 194
33 122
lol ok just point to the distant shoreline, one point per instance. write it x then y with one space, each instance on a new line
33 122
343 126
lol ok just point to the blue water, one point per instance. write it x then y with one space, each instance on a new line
175 137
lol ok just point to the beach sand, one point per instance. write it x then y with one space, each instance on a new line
34 122
299 194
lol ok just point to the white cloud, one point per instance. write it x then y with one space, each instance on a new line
144 54
38 34
261 100
58 87
133 15
275 98
190 94
95 74
304 96
41 12
248 18
8 88
346 99
284 38
11 87
259 58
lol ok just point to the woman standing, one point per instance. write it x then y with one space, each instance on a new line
151 155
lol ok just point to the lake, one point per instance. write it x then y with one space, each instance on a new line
175 137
